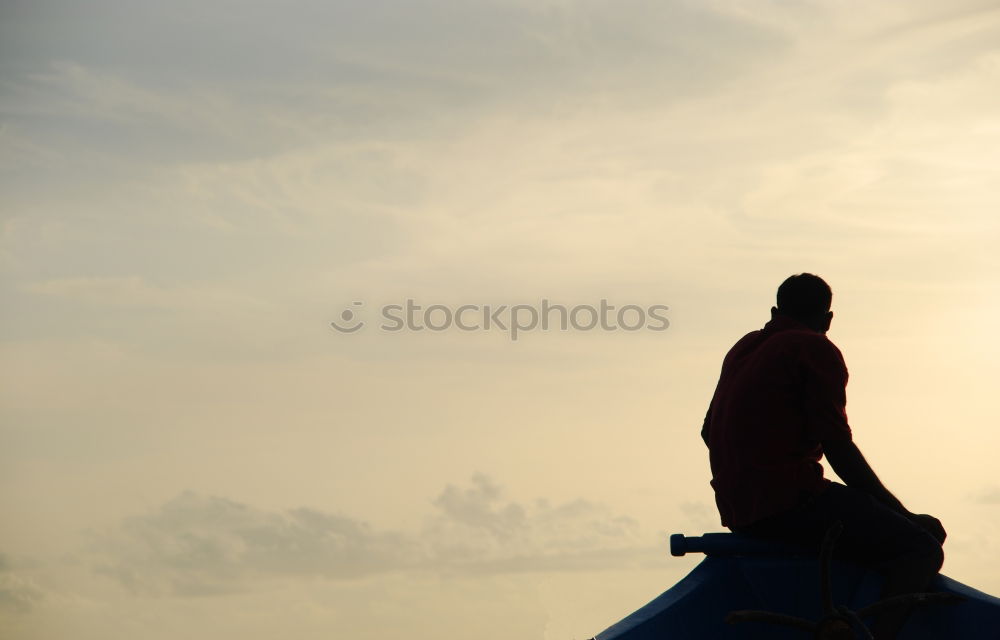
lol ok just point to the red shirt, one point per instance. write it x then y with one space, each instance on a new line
782 390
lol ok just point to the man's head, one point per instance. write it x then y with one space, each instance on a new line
806 298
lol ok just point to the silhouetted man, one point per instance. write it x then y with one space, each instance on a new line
778 408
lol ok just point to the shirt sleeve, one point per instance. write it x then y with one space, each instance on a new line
824 380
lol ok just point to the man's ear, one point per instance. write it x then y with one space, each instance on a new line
827 319
774 312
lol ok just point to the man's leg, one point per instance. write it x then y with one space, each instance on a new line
907 556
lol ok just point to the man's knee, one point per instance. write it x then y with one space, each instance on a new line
934 554
926 553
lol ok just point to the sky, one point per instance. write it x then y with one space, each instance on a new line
193 192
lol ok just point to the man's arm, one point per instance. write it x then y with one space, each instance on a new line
848 463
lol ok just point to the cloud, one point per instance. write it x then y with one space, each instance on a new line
197 545
17 594
202 545
349 43
476 530
474 508
569 142
987 495
200 89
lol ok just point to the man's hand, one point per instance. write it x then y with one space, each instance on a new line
930 524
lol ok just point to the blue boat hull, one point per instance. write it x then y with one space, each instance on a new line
695 608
